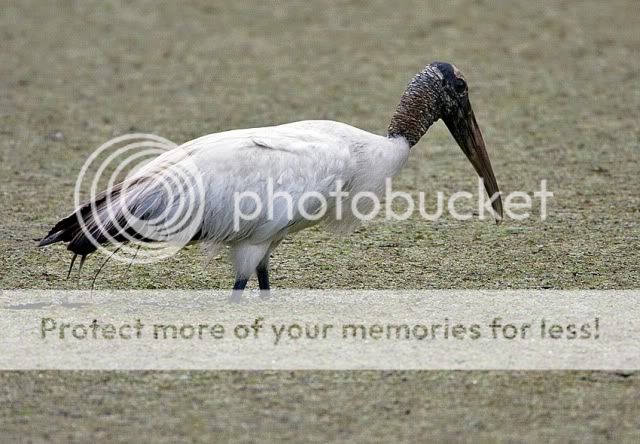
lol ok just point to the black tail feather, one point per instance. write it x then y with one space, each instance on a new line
73 260
69 228
103 221
96 232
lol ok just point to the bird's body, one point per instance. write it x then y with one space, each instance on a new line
311 158
298 158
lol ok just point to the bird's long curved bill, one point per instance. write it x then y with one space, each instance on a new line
465 130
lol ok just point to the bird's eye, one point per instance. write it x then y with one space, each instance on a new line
460 85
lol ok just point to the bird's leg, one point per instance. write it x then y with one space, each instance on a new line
263 276
238 289
246 258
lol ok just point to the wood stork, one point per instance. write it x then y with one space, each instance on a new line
301 157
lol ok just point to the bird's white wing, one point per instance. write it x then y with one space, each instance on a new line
248 186
256 180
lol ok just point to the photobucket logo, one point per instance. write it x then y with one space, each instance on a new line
158 206
148 214
313 206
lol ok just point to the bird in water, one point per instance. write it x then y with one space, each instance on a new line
313 156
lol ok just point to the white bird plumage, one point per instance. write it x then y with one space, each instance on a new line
312 156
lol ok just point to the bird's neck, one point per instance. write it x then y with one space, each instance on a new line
419 107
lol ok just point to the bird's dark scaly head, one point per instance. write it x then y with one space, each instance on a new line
457 114
437 92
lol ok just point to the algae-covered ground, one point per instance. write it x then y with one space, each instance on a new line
555 90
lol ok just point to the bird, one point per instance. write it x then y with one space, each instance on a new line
310 156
